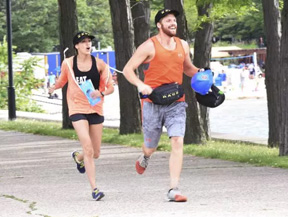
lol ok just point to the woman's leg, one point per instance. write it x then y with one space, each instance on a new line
83 132
95 132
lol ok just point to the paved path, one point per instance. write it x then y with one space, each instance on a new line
38 178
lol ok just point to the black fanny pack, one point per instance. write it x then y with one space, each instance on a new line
166 94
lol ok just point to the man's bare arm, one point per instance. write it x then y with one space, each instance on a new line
189 69
142 54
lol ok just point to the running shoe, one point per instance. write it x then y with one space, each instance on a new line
97 195
141 164
80 164
175 195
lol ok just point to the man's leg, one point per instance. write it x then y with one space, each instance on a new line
148 151
176 160
142 162
175 124
175 165
152 129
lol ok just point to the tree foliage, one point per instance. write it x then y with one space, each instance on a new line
35 23
237 20
94 17
243 24
2 19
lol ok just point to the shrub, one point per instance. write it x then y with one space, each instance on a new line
24 82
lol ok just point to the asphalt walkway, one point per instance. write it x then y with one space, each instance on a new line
39 178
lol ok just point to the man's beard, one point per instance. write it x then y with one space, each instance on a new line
168 32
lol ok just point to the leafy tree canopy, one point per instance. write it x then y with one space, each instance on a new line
245 24
36 29
234 20
94 17
35 25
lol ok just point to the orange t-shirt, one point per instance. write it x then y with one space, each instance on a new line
166 66
76 99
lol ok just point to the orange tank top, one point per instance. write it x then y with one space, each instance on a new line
166 66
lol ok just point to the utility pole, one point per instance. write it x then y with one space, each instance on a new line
11 90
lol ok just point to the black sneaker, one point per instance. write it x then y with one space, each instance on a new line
80 164
97 195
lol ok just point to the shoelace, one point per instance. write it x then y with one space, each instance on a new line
82 164
77 161
96 191
144 162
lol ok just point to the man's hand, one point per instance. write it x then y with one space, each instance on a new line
144 89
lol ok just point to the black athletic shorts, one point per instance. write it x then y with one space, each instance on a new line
93 118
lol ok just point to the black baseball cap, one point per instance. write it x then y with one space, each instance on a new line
212 99
80 36
162 13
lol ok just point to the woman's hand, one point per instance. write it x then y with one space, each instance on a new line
51 89
95 94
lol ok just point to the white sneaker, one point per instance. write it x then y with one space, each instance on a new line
175 195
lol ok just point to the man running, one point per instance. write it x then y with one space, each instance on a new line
166 58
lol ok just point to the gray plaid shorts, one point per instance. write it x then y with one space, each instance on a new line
172 116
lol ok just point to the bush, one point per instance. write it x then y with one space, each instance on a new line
24 82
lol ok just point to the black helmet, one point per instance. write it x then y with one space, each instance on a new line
212 99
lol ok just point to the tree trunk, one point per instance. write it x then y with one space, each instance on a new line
272 70
68 28
130 121
141 22
194 132
283 148
202 56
